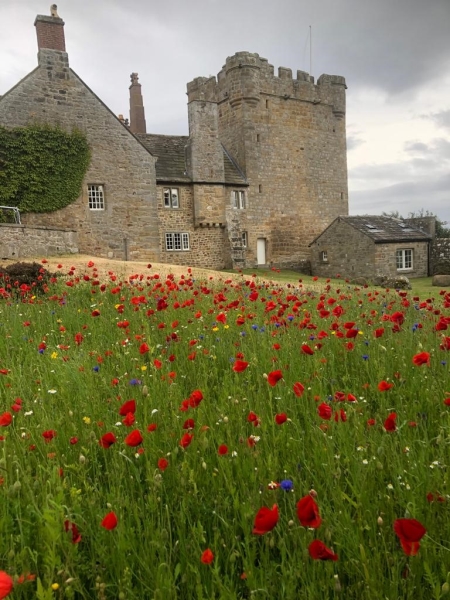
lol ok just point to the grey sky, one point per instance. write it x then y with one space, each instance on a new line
394 54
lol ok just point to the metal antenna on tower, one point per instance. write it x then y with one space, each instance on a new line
310 50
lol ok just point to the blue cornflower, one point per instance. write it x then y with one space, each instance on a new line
290 318
287 485
365 357
96 368
443 362
254 326
135 382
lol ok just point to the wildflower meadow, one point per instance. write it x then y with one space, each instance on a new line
222 437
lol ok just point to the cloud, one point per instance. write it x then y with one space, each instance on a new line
354 142
442 119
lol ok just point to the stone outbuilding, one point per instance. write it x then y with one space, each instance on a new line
371 247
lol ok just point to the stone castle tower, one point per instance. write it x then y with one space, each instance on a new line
289 138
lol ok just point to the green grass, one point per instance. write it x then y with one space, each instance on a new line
77 354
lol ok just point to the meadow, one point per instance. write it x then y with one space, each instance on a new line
222 437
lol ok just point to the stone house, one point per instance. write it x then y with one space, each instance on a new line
262 172
371 247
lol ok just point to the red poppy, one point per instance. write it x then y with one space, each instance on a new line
76 536
207 557
186 440
222 450
319 551
410 532
397 318
351 333
298 389
280 418
127 407
189 424
274 377
324 411
384 386
129 419
265 520
340 415
195 398
163 463
107 440
308 512
109 521
423 358
49 435
239 366
6 584
73 441
389 423
371 422
307 350
144 348
134 438
5 419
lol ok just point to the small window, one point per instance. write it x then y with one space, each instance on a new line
267 104
404 259
244 238
171 198
239 199
96 197
260 188
176 242
324 256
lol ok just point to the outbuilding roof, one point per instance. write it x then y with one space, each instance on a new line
383 229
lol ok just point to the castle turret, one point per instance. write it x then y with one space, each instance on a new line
137 112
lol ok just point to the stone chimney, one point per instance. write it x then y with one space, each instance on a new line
137 113
52 53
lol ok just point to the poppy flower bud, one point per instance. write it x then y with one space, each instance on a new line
313 493
380 521
145 390
445 589
81 459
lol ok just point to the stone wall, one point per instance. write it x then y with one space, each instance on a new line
440 256
348 253
19 241
209 245
352 254
386 264
54 94
288 135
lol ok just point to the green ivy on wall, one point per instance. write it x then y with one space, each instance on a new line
41 167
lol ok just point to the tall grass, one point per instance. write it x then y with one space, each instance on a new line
71 359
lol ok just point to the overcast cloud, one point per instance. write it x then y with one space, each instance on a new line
394 54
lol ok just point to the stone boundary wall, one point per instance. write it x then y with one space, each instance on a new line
21 241
440 256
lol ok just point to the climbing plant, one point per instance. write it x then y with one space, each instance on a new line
41 167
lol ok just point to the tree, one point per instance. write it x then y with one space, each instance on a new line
441 230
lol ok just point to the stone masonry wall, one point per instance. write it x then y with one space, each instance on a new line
349 253
386 263
54 94
288 135
20 241
209 245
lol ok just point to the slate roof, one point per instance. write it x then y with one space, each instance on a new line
171 164
383 230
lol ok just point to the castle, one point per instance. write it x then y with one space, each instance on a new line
261 174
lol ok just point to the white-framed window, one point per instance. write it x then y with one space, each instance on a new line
177 242
323 255
244 238
404 259
96 197
239 199
171 198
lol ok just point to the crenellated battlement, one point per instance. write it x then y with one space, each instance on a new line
246 77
